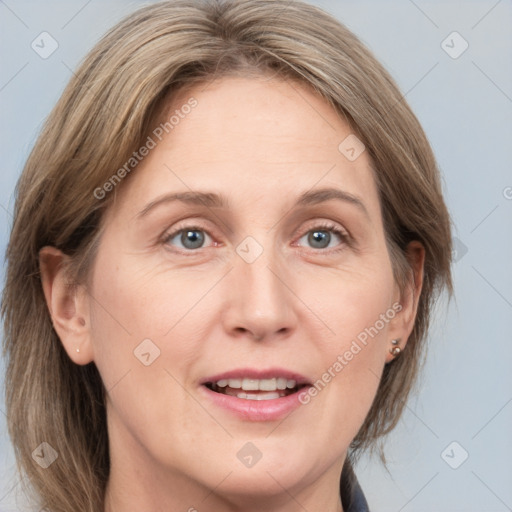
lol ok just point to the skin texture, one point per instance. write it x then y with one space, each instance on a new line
261 143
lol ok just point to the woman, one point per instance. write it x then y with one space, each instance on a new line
227 240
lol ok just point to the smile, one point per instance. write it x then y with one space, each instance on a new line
255 395
255 389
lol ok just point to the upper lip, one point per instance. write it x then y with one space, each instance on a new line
253 373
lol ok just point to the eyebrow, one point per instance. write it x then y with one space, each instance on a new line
213 200
208 199
317 196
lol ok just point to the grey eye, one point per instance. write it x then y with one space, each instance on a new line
319 239
322 238
189 238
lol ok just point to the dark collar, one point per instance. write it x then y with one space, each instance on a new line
352 497
357 502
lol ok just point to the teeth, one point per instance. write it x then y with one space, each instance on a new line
250 385
235 383
281 383
268 385
273 384
259 396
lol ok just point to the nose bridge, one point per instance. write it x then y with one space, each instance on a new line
261 304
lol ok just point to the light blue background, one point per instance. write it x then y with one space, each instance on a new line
465 106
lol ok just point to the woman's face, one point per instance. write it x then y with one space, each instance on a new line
268 270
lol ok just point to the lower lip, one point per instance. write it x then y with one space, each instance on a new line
256 410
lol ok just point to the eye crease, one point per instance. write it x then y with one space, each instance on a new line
194 237
188 234
322 234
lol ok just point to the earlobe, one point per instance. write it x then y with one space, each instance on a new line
403 323
67 304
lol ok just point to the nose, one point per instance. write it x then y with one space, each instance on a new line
261 304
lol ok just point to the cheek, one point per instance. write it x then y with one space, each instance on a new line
141 301
356 310
134 311
350 301
144 337
140 307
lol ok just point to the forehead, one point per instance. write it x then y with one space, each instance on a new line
265 138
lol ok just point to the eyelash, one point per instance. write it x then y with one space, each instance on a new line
322 226
332 228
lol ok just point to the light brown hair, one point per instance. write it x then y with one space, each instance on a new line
104 115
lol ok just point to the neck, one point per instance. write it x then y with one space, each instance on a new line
122 497
137 482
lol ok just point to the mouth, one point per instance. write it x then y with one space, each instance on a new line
255 395
256 389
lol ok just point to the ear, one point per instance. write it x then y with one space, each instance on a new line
403 323
68 305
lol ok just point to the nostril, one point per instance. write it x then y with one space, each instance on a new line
243 330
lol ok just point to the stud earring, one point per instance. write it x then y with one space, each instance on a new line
78 350
395 349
